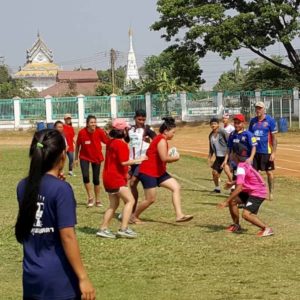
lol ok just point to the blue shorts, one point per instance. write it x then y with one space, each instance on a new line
150 182
134 170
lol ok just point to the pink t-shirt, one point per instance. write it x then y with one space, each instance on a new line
250 179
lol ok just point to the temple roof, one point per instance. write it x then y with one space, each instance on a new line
39 47
39 62
78 76
38 70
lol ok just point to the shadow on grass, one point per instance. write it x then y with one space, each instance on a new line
195 190
87 230
212 227
215 228
159 222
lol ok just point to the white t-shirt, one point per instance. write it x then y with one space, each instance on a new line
137 145
229 128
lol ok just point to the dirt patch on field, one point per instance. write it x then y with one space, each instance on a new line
193 140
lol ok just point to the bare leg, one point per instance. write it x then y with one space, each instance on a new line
253 219
133 183
234 211
270 183
228 172
172 185
113 205
127 197
150 197
216 177
89 190
97 192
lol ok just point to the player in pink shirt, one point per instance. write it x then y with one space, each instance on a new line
250 190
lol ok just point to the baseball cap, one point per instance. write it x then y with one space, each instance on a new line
67 116
239 117
260 104
119 124
226 116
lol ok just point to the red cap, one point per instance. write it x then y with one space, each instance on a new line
239 117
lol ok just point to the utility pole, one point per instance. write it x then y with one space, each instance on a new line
112 63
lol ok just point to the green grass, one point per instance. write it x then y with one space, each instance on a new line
196 260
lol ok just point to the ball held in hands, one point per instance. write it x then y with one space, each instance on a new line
173 152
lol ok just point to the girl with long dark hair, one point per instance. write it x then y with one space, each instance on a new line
153 172
52 267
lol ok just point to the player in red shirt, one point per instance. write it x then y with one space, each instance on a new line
89 149
69 134
115 175
153 172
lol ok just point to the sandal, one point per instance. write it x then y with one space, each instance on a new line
99 204
185 218
90 203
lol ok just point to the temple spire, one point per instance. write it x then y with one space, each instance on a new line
132 73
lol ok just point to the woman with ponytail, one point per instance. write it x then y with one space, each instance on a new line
153 172
52 267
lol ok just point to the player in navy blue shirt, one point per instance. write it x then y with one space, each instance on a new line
242 137
264 129
52 267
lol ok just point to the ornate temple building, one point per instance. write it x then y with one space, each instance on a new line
132 72
39 70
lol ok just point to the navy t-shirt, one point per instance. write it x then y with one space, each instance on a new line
47 274
245 138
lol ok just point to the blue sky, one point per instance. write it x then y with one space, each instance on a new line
82 33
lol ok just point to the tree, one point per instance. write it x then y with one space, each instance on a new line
172 70
4 74
228 82
261 74
224 26
105 78
265 75
11 87
103 89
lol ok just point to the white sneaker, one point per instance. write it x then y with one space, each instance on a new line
127 233
266 232
106 233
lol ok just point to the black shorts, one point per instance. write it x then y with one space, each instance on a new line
134 170
217 164
261 162
149 182
252 203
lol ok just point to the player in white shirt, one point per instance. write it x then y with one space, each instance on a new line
228 127
139 138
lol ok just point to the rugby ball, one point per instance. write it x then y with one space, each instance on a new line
173 152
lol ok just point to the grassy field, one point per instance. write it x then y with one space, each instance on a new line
196 260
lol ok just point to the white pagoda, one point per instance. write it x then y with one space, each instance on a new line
39 69
132 72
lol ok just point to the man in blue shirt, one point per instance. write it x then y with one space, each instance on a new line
264 129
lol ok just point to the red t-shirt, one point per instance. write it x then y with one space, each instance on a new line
90 144
154 166
69 134
114 174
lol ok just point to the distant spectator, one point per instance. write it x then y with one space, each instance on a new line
70 138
